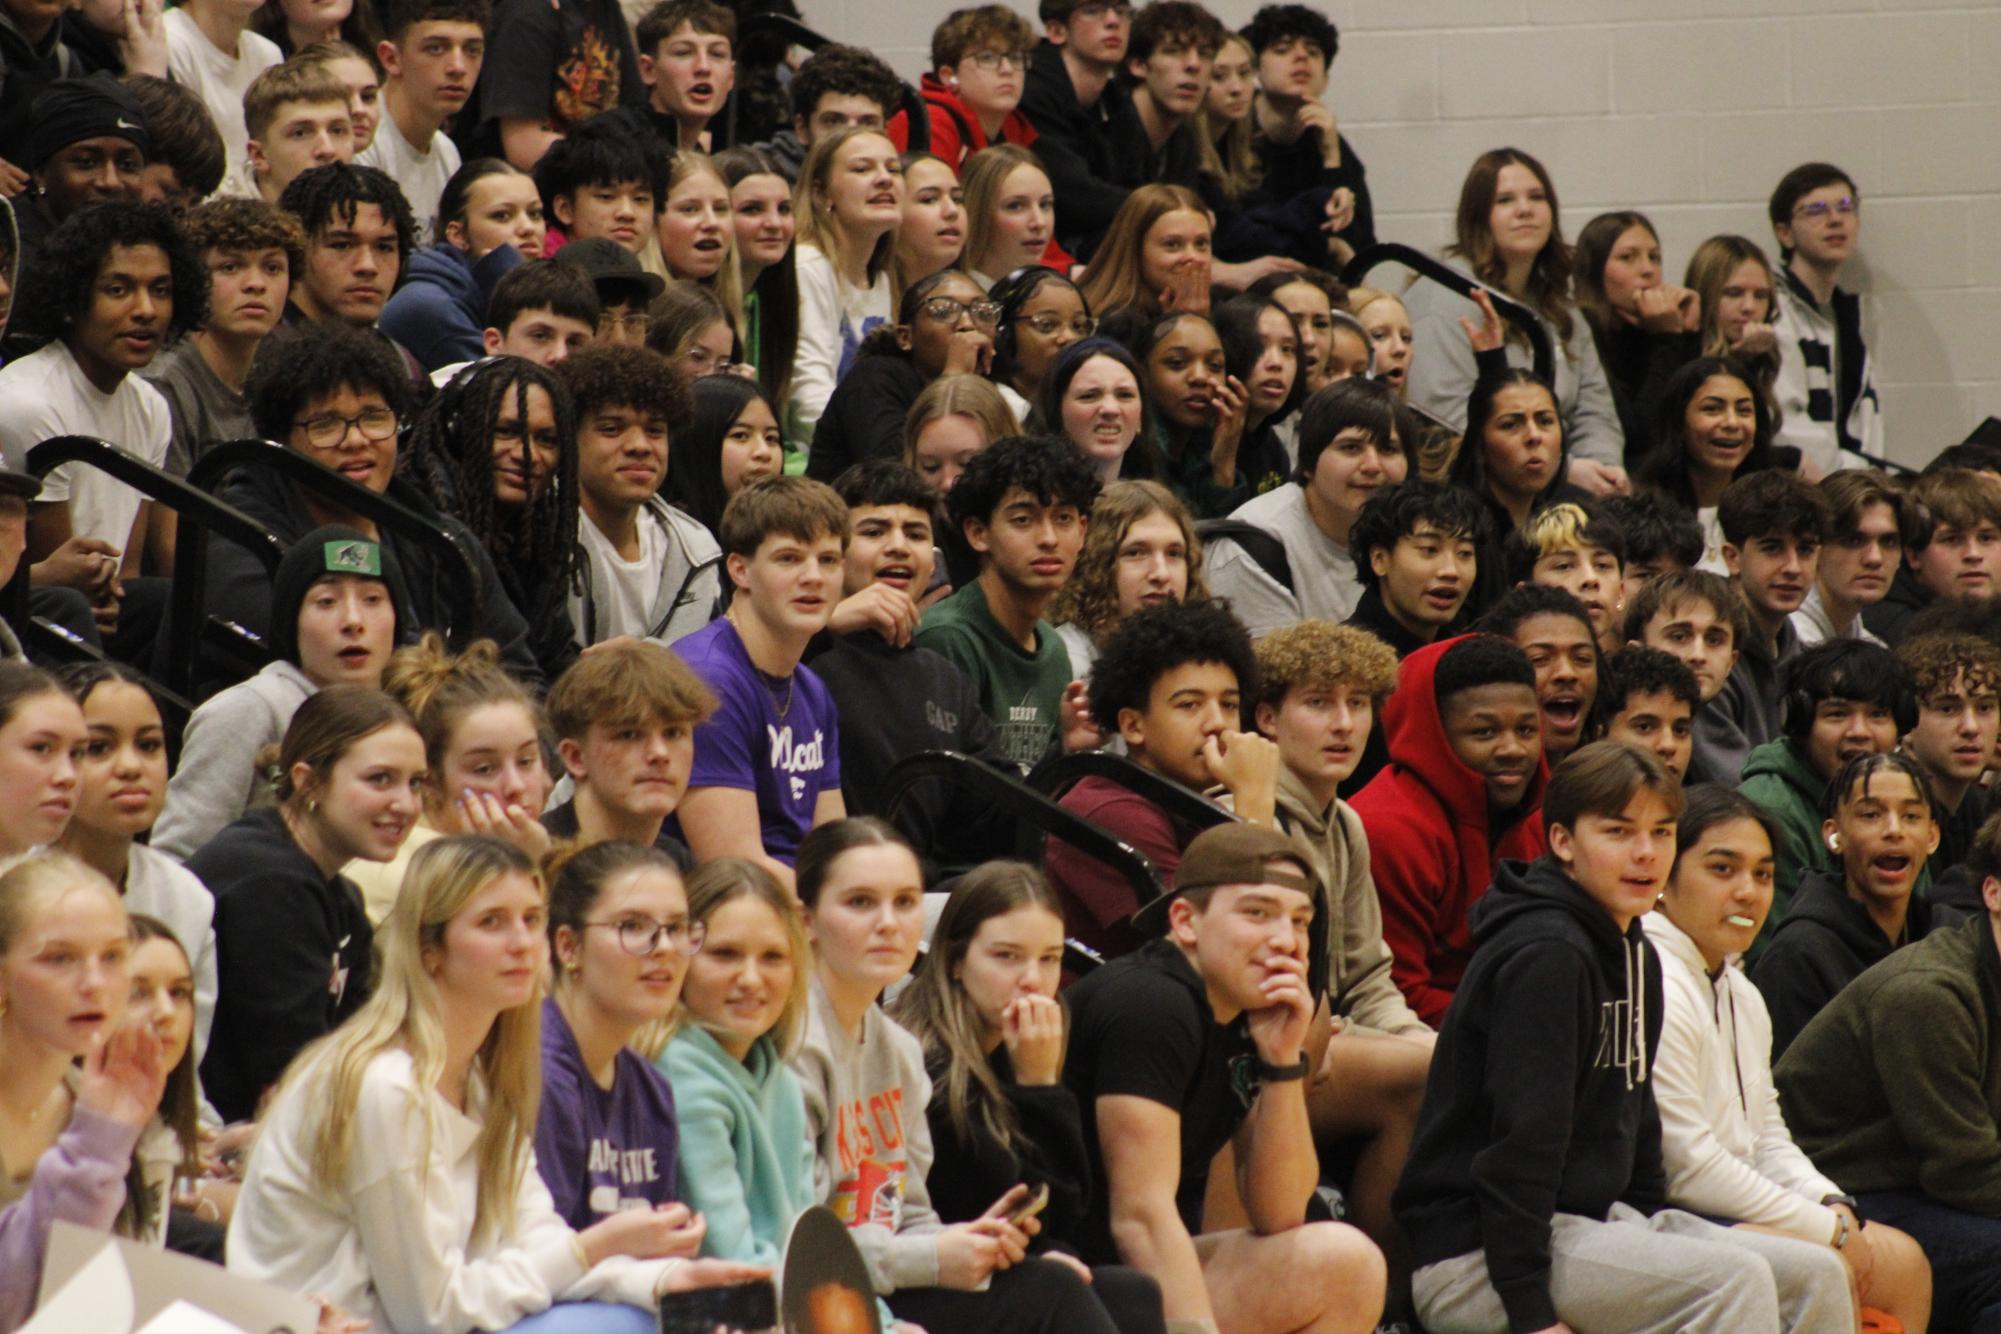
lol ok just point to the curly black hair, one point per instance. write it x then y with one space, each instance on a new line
1845 669
1524 601
316 360
1153 641
611 375
449 453
321 196
60 283
1048 467
1275 23
1394 513
1638 670
1656 528
850 71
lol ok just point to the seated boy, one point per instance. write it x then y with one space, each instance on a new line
187 163
359 238
298 117
1575 548
1648 698
1867 517
868 660
1195 1042
431 52
1895 1091
1555 631
1956 680
1957 556
1844 699
687 59
1773 526
1881 827
768 763
1463 790
1021 504
1173 681
835 87
1535 1193
1320 688
1417 554
602 183
543 311
251 250
1660 536
1697 618
333 620
649 570
624 718
979 66
624 289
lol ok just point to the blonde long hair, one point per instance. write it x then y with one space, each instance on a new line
724 881
727 282
812 220
1227 159
403 1015
983 175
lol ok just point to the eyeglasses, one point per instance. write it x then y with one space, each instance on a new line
993 60
327 430
1048 323
636 323
1098 10
947 310
640 936
1820 208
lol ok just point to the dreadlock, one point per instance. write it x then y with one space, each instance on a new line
450 455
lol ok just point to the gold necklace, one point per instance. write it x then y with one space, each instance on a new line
762 675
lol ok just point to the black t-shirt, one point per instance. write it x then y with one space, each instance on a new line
553 62
561 822
1141 1025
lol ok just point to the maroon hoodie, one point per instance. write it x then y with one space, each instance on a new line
1432 845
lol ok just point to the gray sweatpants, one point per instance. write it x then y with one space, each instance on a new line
1673 1272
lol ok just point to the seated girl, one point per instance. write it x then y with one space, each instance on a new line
1261 349
1724 1141
482 753
1092 397
396 1170
952 422
944 326
497 449
932 233
690 327
333 619
1199 412
1010 214
1041 314
733 441
1645 329
293 940
1711 425
1154 261
983 1005
120 785
168 1199
746 1156
620 939
42 739
69 1130
864 899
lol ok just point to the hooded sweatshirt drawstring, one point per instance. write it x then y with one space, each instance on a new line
1636 1011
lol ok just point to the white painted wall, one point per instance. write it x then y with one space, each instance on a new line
1689 110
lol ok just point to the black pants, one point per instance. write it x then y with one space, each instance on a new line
1039 1297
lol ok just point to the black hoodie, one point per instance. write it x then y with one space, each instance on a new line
1539 1101
1906 598
1825 941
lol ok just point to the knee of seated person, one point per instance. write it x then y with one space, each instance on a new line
1343 1255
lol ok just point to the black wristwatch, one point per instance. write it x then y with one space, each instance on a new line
1281 1074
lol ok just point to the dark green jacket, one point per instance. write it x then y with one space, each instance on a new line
1779 777
1896 1085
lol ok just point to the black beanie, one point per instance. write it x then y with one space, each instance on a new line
87 108
334 549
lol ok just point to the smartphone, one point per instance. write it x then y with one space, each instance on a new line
1037 1201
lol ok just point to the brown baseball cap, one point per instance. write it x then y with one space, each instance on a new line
1233 854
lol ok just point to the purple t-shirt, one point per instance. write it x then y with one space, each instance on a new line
602 1150
777 739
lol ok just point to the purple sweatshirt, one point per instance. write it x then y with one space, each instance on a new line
80 1180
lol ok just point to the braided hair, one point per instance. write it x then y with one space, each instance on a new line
449 455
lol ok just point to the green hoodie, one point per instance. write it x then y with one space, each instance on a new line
1779 777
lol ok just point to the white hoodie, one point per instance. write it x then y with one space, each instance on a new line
1724 1141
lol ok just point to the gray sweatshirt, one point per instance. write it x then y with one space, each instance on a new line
865 1109
217 778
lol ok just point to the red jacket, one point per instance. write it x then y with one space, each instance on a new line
955 131
1432 846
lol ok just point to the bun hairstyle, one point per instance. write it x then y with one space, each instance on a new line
440 687
578 873
325 728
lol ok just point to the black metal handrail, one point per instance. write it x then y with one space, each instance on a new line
1055 775
459 567
796 33
1541 347
198 514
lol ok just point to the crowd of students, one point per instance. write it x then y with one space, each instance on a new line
1597 851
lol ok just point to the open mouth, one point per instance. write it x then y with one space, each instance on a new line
896 576
708 243
140 340
809 603
1274 388
355 655
701 92
885 199
359 471
951 234
1443 598
1393 376
1890 865
1564 712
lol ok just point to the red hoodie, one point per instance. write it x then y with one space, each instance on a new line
955 131
1431 843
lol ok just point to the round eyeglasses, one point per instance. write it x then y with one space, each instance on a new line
640 936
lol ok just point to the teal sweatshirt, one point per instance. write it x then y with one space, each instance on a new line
746 1153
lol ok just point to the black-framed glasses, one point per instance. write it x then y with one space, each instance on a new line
993 60
633 322
640 936
947 310
1819 209
1048 323
328 429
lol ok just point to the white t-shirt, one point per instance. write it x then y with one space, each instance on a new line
625 590
421 173
219 78
45 394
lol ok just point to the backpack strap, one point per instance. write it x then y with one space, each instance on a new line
1265 550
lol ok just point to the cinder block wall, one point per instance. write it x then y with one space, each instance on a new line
1689 110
